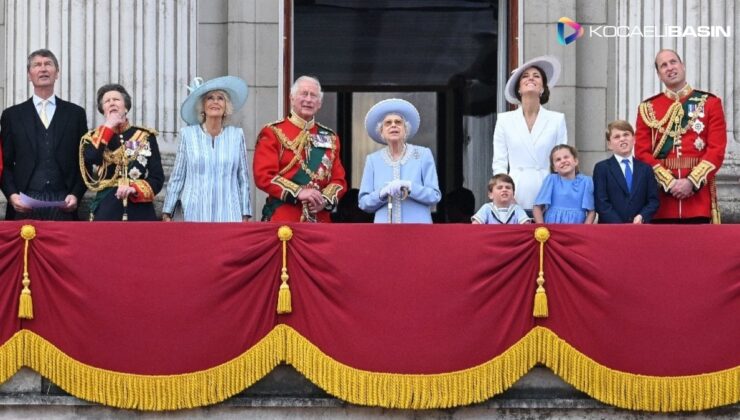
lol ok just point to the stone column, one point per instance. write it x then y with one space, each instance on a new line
148 46
581 92
244 38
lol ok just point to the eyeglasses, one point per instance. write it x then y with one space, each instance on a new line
306 94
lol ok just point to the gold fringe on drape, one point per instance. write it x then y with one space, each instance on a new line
479 383
384 389
11 356
153 392
393 390
636 392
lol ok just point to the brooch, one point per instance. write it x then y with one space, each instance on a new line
699 144
134 173
698 126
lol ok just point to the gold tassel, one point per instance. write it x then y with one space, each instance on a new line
284 306
540 302
25 307
541 234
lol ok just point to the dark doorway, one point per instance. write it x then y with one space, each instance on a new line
439 54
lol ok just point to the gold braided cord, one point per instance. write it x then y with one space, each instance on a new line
25 303
97 181
284 306
152 392
670 124
716 217
672 117
541 234
297 146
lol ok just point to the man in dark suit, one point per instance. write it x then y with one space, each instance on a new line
625 190
40 139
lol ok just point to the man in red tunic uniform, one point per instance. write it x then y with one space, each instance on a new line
296 161
682 134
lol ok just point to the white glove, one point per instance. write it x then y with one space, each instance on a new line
395 188
385 191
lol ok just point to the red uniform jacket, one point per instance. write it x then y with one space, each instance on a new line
683 138
288 158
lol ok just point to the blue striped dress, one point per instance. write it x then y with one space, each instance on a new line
210 177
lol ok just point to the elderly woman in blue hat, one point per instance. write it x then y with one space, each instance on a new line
399 183
523 138
211 176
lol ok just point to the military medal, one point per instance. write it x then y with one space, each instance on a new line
699 144
322 140
698 126
692 110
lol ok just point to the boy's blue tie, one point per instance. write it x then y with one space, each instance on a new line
627 173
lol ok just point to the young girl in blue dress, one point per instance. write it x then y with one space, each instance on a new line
566 196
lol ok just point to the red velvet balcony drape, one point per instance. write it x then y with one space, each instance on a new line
164 316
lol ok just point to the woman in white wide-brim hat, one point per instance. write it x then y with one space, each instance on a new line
211 176
399 183
523 138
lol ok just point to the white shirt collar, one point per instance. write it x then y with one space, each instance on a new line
37 100
620 158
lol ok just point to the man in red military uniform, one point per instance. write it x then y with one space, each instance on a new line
296 161
682 134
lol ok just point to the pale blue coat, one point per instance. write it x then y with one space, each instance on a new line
417 166
210 176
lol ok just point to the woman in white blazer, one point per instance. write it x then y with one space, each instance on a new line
523 138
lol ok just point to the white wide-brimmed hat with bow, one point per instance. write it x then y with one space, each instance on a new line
549 64
391 106
235 87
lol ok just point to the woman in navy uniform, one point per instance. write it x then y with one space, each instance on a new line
120 162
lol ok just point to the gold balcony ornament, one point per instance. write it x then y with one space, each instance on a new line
541 234
285 233
25 308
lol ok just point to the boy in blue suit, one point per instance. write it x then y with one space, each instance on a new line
625 189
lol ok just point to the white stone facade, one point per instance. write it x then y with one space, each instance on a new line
155 47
